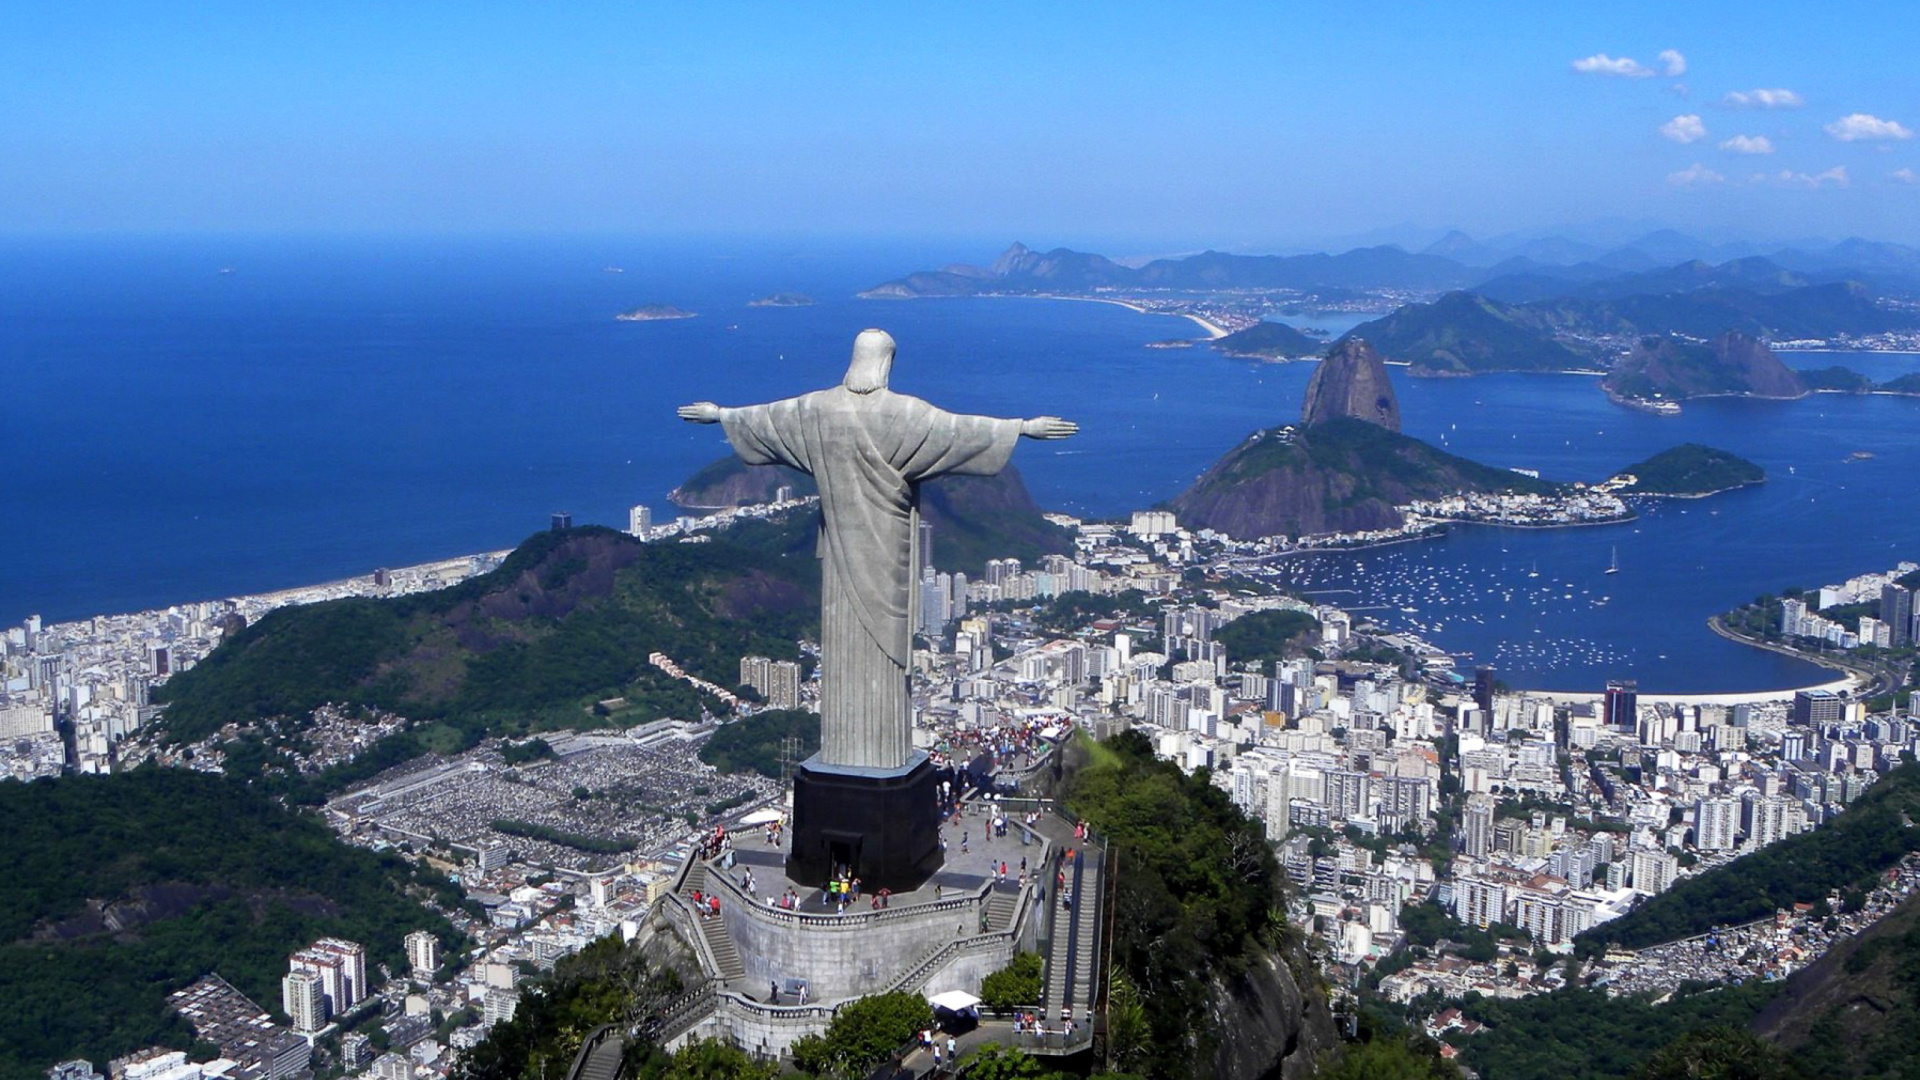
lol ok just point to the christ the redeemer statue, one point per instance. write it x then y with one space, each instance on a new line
868 449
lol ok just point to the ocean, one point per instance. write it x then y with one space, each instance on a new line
192 418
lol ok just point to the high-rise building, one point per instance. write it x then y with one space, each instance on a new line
1477 902
776 680
923 548
423 952
302 999
1476 826
1622 705
1483 689
562 521
1653 871
1715 821
341 967
1812 708
1896 610
639 520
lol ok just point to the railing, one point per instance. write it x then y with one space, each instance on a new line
687 924
1056 1041
763 910
588 1046
683 1012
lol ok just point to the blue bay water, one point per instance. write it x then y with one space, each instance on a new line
171 432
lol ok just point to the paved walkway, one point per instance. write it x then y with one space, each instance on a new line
973 858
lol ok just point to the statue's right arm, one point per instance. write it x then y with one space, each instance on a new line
702 412
1048 427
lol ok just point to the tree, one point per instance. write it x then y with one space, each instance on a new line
1385 1059
711 1059
1717 1053
996 1062
1127 1027
1015 986
863 1034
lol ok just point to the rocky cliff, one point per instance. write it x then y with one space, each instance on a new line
1340 475
1275 1029
1675 368
1351 381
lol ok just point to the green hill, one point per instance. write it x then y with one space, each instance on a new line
1847 852
1343 475
974 518
1676 368
1904 384
1691 469
1464 334
1269 340
122 889
1843 380
569 618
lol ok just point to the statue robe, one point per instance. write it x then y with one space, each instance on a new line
868 453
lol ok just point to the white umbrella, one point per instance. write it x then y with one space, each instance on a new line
761 817
953 1001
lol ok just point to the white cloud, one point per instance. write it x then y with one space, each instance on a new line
1834 177
1765 99
1684 129
1695 175
1905 176
1862 127
1602 64
1748 144
1676 64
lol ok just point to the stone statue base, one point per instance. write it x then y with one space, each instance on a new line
883 823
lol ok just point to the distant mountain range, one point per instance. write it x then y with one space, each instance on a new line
1537 310
1543 268
1022 270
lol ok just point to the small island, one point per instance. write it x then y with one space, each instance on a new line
783 299
654 313
1688 471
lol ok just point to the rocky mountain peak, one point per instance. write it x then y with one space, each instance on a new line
1351 381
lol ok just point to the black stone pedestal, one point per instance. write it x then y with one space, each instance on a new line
884 823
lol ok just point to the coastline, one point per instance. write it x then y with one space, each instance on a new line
1689 495
1214 331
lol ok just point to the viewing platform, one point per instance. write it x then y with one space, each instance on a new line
777 973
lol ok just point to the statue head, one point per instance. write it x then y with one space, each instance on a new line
872 362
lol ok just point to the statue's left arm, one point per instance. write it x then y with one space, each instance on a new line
965 445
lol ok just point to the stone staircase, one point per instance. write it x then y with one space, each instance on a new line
603 1062
599 1055
1002 903
719 942
1072 966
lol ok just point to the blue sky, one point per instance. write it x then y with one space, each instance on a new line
1123 127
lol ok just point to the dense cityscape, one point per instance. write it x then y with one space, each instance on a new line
1392 785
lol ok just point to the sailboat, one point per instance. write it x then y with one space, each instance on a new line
1614 566
1535 572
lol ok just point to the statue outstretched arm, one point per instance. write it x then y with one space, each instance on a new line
1040 427
702 412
